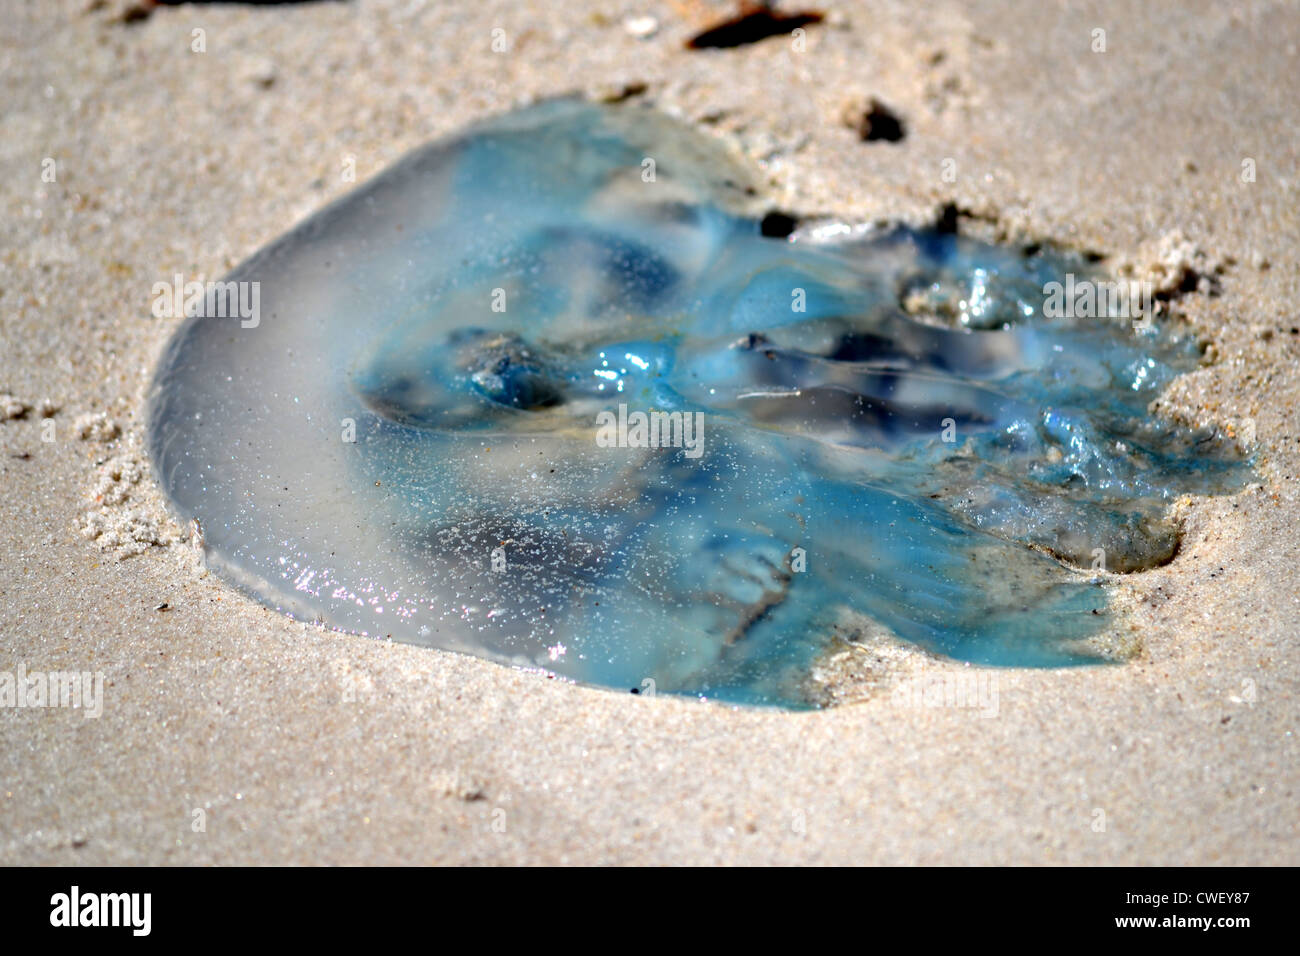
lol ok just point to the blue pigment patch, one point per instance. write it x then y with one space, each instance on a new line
546 393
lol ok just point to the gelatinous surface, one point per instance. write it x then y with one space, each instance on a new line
870 424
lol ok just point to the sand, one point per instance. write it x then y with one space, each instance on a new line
231 734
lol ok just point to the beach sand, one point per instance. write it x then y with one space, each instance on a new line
232 734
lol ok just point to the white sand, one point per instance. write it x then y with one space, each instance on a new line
300 745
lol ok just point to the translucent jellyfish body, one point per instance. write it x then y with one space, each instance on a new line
546 393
